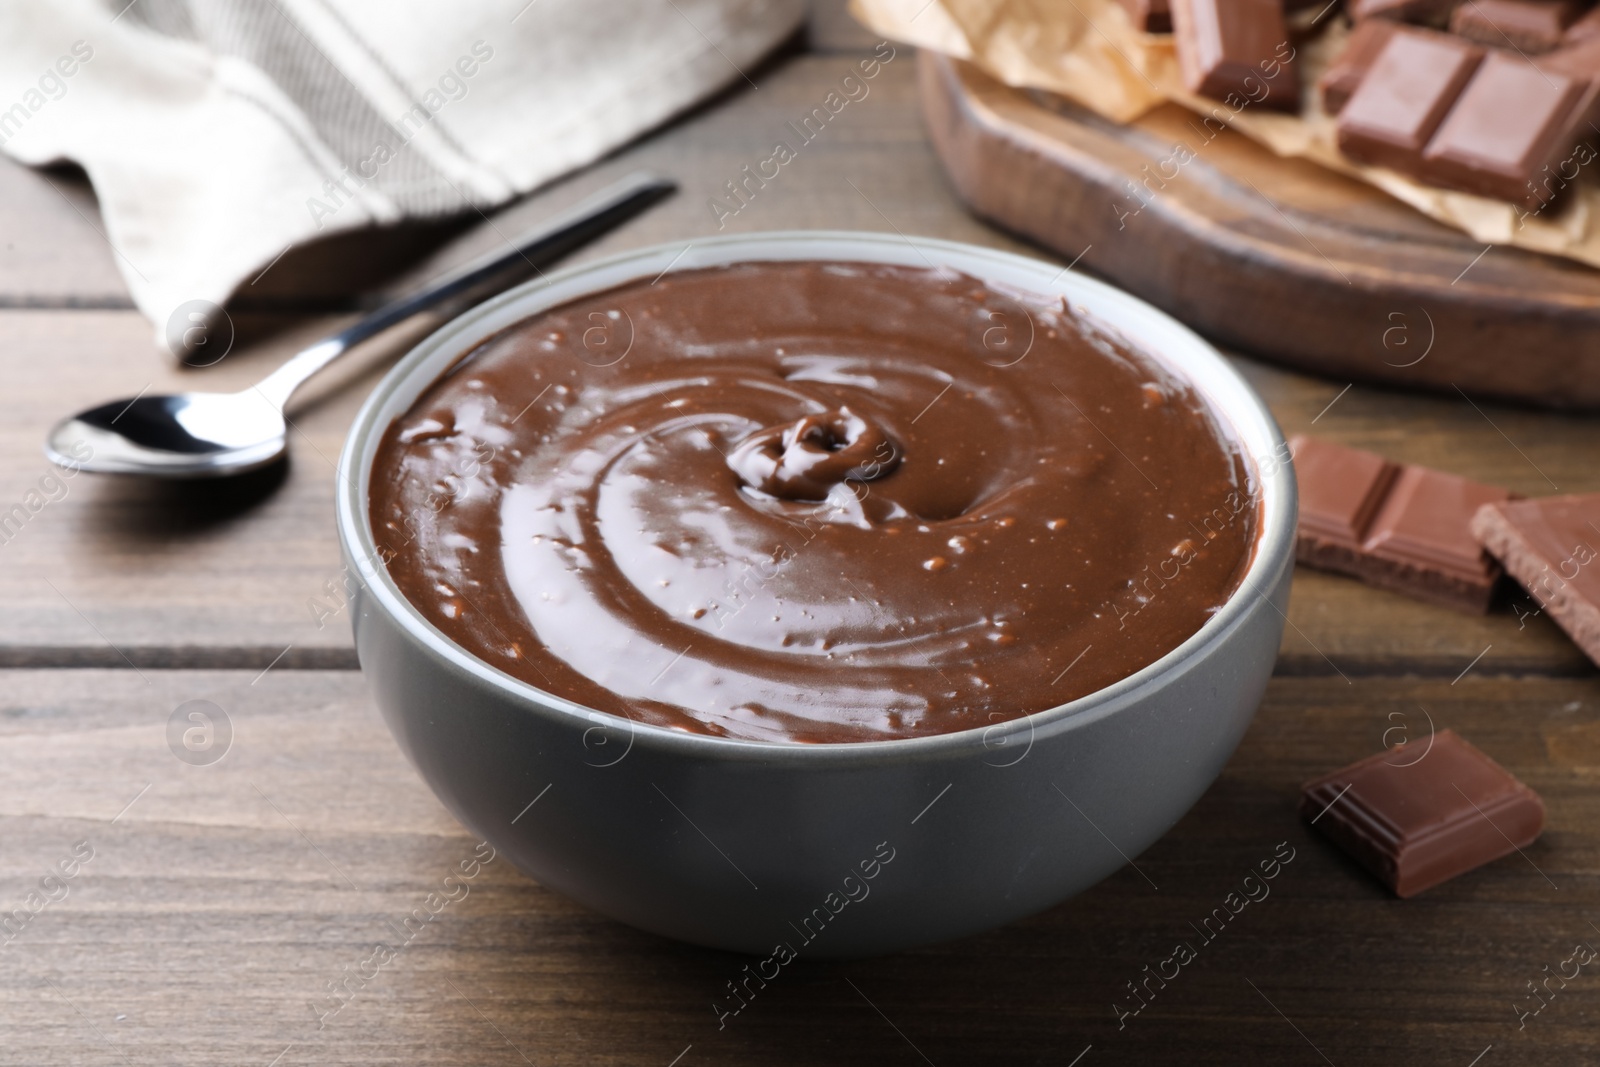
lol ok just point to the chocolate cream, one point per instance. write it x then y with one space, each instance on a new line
813 502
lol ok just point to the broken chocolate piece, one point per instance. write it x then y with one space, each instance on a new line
1149 16
1526 26
1407 92
1510 122
1393 526
1237 48
1552 547
1424 811
1352 64
1423 534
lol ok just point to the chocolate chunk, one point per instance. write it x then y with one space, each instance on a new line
1396 527
1550 545
1510 122
1149 16
1424 811
1407 92
1237 48
1434 108
1528 26
1352 64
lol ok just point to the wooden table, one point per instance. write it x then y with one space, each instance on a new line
222 901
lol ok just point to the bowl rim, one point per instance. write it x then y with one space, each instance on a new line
1234 403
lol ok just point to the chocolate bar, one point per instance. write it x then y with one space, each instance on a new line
1511 122
1527 26
1238 49
1406 94
1392 525
1352 64
1552 547
1424 811
1149 16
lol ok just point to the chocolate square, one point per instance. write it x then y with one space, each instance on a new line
1423 535
1424 812
1511 121
1393 526
1552 547
1236 48
1341 490
1405 95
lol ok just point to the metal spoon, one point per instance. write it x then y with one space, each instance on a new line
213 435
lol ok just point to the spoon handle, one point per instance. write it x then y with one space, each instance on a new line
577 226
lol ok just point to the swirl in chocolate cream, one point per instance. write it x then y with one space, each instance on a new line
813 502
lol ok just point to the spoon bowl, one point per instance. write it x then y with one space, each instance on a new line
186 435
216 435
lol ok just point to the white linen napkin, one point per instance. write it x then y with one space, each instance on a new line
219 133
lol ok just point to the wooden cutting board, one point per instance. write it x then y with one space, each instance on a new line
1276 257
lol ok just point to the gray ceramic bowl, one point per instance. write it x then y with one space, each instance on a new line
829 850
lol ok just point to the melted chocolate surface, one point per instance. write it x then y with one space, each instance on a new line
813 502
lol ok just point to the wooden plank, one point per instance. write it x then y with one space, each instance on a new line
107 566
226 898
1273 256
55 251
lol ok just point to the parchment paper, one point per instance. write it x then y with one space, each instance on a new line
1090 52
